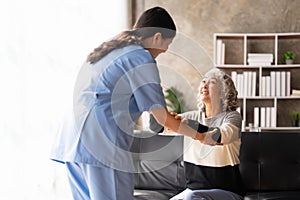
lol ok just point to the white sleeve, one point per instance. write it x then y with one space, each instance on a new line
229 133
194 115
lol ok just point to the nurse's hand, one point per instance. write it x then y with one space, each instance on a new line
178 116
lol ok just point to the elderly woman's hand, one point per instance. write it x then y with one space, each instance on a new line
208 137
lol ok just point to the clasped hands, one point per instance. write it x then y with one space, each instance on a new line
205 137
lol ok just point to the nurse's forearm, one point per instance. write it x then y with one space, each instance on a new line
167 120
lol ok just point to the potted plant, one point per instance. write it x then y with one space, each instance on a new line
174 100
174 104
288 57
295 116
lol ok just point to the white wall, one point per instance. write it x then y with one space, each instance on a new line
42 45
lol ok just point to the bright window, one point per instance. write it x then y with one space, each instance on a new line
42 45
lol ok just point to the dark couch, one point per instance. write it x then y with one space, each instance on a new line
159 164
270 166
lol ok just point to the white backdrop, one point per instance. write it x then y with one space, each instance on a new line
42 45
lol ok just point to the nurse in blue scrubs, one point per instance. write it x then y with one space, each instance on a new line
116 84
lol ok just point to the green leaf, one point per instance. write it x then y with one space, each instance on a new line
172 98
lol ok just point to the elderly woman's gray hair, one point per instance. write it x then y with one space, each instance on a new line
229 92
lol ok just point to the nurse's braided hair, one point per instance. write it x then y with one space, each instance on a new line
151 21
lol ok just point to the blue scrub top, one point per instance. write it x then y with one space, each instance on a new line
109 97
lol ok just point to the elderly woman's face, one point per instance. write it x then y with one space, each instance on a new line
210 89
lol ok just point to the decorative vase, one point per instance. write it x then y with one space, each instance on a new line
295 123
289 61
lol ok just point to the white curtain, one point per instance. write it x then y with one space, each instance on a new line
42 45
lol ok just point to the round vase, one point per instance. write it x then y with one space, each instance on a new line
295 123
289 61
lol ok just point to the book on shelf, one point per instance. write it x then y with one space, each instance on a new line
220 52
278 83
260 59
266 116
245 83
240 85
283 83
273 117
273 83
263 86
263 117
268 86
223 54
256 116
253 87
295 92
288 83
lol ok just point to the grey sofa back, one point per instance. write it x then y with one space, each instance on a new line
158 161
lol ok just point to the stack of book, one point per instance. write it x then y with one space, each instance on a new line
295 92
277 84
260 59
265 116
245 83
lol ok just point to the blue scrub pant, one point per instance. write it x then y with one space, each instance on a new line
90 182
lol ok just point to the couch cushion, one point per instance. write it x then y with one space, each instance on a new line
270 161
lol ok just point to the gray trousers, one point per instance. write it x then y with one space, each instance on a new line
212 194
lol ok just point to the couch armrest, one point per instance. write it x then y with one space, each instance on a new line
158 161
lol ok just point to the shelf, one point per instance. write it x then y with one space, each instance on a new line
288 98
258 35
280 128
237 66
270 98
257 67
241 66
266 86
286 66
258 98
289 36
275 129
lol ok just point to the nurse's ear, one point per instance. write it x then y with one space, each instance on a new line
154 41
157 39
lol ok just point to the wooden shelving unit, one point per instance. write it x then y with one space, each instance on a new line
235 58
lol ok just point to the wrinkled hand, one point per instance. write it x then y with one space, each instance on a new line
208 138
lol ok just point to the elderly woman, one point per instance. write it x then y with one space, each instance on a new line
212 165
